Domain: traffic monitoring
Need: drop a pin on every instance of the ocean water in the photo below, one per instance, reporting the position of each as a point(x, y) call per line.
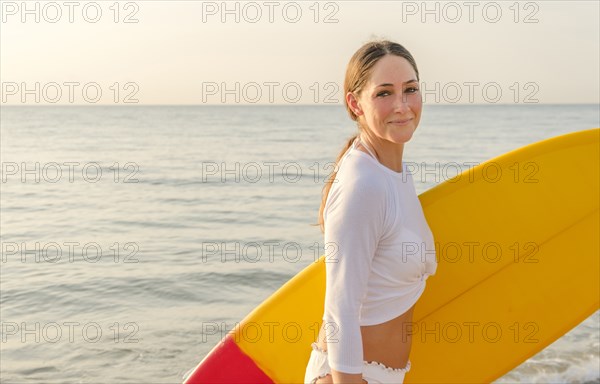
point(114, 221)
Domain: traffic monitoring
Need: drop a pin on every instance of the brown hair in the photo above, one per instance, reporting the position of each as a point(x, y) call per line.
point(357, 73)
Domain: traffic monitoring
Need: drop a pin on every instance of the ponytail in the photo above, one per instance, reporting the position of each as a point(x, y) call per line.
point(329, 182)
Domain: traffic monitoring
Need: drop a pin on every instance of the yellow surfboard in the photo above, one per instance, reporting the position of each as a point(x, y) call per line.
point(518, 248)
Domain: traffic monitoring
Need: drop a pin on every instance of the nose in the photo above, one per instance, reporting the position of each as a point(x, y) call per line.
point(401, 104)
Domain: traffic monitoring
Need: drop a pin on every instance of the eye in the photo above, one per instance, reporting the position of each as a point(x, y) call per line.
point(383, 93)
point(412, 89)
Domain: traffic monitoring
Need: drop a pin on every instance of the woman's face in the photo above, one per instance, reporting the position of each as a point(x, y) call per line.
point(390, 103)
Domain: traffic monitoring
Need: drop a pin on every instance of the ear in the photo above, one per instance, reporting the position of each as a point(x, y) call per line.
point(353, 104)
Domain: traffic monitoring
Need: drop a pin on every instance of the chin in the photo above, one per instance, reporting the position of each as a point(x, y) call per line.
point(401, 137)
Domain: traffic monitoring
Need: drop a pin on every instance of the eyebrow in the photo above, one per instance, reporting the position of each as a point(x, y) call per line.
point(390, 84)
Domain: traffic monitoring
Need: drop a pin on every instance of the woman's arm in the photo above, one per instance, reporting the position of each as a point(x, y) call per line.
point(354, 223)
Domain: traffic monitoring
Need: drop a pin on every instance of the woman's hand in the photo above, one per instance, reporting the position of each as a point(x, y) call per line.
point(347, 378)
point(342, 378)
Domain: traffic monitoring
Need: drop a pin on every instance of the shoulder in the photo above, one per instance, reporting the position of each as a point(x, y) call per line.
point(359, 174)
point(359, 183)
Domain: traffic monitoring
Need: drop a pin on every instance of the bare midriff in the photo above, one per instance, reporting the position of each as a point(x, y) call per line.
point(386, 343)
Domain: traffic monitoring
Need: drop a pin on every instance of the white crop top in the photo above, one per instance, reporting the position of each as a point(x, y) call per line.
point(379, 251)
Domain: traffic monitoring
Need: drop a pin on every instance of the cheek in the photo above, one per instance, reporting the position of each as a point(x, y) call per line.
point(384, 107)
point(375, 111)
point(416, 104)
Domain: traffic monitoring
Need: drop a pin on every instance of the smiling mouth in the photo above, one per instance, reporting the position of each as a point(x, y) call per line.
point(400, 122)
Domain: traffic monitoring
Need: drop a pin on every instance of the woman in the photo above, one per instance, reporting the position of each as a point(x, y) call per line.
point(379, 248)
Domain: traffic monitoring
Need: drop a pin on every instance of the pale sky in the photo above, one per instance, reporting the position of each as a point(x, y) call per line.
point(181, 52)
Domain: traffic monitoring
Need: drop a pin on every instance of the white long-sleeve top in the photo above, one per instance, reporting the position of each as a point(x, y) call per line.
point(379, 251)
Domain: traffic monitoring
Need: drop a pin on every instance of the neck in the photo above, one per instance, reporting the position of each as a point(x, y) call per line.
point(387, 153)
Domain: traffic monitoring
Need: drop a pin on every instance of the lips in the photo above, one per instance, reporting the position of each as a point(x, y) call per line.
point(400, 122)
